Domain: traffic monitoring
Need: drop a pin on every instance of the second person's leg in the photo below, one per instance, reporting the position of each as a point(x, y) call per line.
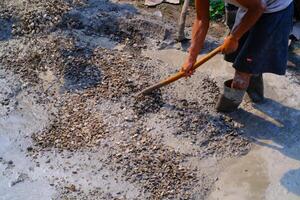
point(234, 91)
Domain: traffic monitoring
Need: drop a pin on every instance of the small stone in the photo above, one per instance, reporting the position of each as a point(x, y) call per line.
point(178, 46)
point(128, 119)
point(21, 178)
point(29, 148)
point(5, 102)
point(158, 14)
point(72, 188)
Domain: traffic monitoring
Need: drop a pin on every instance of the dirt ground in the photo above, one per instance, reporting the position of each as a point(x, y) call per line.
point(71, 126)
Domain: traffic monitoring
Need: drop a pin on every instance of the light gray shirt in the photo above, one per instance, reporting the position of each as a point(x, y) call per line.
point(271, 5)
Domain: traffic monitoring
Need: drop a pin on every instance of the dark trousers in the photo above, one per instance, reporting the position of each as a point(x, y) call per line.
point(297, 9)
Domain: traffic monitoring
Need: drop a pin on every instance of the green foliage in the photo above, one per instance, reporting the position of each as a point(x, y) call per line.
point(217, 9)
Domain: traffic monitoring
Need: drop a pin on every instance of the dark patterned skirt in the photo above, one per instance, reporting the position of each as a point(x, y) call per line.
point(264, 49)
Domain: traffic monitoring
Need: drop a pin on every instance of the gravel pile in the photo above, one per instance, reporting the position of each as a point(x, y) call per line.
point(150, 103)
point(89, 78)
point(71, 193)
point(210, 92)
point(123, 74)
point(216, 134)
point(156, 168)
point(33, 56)
point(34, 21)
point(37, 16)
point(75, 125)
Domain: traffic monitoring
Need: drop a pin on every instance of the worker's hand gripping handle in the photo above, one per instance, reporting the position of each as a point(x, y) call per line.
point(180, 74)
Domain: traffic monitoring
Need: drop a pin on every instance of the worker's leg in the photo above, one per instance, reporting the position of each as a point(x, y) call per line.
point(182, 20)
point(241, 80)
point(256, 88)
point(264, 49)
point(234, 91)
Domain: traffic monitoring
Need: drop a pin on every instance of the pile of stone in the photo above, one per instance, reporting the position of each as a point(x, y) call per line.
point(76, 125)
point(156, 168)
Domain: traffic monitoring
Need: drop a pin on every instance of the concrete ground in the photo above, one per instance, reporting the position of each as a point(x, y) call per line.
point(272, 169)
point(252, 153)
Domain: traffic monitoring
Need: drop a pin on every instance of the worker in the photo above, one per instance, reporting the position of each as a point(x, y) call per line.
point(257, 44)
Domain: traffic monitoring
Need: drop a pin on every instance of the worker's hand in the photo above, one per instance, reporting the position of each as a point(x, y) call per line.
point(230, 44)
point(187, 68)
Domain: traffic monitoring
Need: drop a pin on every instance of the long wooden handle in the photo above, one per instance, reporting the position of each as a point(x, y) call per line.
point(180, 74)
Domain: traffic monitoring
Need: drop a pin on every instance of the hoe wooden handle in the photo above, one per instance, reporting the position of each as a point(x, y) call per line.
point(180, 74)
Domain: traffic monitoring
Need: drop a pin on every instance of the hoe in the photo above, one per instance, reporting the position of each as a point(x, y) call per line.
point(180, 74)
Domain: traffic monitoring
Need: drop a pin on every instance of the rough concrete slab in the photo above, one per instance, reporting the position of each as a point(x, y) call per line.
point(271, 170)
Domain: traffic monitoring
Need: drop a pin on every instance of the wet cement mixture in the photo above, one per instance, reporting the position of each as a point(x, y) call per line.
point(71, 124)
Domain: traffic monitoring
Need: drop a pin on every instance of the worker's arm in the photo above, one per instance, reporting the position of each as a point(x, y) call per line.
point(255, 8)
point(199, 32)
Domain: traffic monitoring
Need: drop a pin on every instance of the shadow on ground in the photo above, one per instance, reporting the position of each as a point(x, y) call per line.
point(279, 124)
point(5, 29)
point(291, 181)
point(209, 45)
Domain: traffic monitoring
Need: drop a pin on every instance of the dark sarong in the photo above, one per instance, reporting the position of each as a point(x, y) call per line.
point(264, 49)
